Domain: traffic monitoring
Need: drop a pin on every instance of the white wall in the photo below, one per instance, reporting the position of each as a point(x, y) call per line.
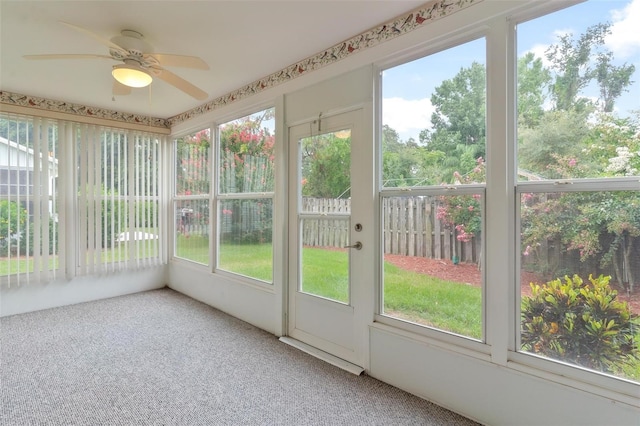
point(253, 303)
point(33, 296)
point(486, 392)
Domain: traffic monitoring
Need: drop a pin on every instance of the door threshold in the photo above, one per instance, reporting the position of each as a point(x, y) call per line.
point(324, 356)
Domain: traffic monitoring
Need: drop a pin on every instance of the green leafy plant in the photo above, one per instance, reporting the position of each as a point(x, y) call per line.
point(581, 323)
point(13, 223)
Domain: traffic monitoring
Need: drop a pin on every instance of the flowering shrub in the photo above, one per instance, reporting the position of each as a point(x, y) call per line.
point(246, 158)
point(579, 322)
point(246, 165)
point(192, 169)
point(463, 212)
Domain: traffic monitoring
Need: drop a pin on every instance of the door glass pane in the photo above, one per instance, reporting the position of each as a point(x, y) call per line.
point(325, 190)
point(326, 162)
point(325, 261)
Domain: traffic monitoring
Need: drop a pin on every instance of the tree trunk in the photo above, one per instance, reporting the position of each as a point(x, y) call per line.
point(627, 244)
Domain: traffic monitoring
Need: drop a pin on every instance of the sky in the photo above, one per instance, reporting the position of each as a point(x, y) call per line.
point(407, 88)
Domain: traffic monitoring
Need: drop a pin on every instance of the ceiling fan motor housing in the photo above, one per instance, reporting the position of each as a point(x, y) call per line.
point(133, 42)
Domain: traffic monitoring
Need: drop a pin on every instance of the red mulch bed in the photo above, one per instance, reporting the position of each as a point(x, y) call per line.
point(470, 274)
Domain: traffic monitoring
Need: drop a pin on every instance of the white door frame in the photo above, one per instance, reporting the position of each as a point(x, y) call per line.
point(338, 329)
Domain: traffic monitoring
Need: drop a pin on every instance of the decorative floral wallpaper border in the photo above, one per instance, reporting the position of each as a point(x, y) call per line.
point(428, 13)
point(407, 23)
point(76, 109)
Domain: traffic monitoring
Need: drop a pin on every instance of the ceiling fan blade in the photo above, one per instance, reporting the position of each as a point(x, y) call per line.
point(180, 61)
point(181, 84)
point(120, 89)
point(67, 56)
point(95, 36)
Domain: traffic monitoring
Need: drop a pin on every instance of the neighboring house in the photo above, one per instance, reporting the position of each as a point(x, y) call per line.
point(17, 174)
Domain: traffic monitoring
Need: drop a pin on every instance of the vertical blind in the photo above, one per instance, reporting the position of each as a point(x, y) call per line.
point(77, 199)
point(29, 208)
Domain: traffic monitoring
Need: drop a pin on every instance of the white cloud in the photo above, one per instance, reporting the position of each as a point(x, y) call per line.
point(407, 117)
point(557, 34)
point(538, 51)
point(624, 39)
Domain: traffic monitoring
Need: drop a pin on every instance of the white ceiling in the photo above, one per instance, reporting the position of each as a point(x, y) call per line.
point(242, 41)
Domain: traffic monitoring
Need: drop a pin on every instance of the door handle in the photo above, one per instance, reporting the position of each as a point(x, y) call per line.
point(357, 245)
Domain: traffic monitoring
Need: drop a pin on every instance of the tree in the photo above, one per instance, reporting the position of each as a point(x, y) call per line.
point(13, 224)
point(192, 168)
point(533, 81)
point(326, 163)
point(571, 61)
point(400, 160)
point(591, 230)
point(612, 80)
point(246, 157)
point(459, 125)
point(558, 136)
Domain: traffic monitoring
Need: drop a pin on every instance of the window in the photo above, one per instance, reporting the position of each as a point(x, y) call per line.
point(245, 195)
point(76, 199)
point(192, 191)
point(118, 199)
point(578, 162)
point(433, 175)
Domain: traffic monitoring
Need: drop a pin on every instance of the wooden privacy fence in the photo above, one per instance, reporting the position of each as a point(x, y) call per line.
point(325, 232)
point(409, 227)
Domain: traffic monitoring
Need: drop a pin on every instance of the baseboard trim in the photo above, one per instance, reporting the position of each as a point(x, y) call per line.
point(324, 356)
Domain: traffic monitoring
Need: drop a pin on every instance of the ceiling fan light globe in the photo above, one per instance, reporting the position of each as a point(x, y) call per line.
point(131, 76)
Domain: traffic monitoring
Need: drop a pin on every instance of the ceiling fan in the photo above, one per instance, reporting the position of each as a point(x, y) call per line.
point(139, 64)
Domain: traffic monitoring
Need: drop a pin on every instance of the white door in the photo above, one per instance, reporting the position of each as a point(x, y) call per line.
point(330, 235)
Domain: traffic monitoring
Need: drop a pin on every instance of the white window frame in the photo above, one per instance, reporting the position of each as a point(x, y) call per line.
point(476, 348)
point(501, 218)
point(175, 198)
point(616, 388)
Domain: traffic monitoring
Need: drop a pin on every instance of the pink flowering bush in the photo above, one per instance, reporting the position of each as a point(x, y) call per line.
point(462, 213)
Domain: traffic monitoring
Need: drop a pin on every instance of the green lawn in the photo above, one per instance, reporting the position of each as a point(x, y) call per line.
point(19, 265)
point(420, 298)
point(325, 273)
point(252, 260)
point(193, 247)
point(23, 265)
